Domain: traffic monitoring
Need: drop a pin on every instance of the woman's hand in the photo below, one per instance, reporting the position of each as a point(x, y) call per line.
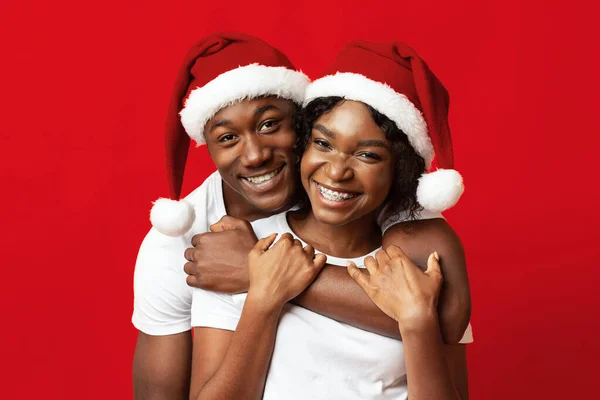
point(400, 288)
point(281, 272)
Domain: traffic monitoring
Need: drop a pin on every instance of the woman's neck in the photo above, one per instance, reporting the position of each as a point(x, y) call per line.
point(354, 239)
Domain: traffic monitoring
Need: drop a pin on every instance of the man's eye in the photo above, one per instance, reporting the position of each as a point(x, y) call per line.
point(227, 138)
point(268, 125)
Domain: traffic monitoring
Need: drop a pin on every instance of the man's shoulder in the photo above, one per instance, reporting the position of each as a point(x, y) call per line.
point(211, 186)
point(208, 205)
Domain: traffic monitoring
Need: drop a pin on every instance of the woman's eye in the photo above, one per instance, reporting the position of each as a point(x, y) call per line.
point(321, 143)
point(227, 138)
point(369, 156)
point(268, 125)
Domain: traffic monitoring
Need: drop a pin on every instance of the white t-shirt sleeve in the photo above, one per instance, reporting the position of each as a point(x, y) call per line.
point(162, 299)
point(215, 310)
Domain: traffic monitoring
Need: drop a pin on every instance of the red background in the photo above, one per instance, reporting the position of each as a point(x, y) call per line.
point(84, 95)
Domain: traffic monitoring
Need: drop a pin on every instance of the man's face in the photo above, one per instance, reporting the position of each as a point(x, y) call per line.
point(252, 145)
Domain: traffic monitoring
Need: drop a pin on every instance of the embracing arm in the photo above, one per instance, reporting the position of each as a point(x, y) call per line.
point(336, 295)
point(333, 294)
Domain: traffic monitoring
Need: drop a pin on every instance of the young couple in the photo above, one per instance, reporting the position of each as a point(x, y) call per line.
point(329, 165)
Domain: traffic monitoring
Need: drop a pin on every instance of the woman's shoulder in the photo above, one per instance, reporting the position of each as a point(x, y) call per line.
point(420, 238)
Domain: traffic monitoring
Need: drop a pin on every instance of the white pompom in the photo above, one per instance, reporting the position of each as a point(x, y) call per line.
point(440, 190)
point(172, 217)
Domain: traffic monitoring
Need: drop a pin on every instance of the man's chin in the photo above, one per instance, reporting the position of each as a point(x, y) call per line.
point(273, 205)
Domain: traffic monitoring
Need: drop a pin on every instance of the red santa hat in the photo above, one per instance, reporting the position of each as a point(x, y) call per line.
point(218, 71)
point(394, 80)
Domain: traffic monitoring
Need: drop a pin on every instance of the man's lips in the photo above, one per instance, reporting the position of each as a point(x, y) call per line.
point(265, 176)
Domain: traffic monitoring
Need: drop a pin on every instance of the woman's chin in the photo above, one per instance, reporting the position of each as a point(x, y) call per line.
point(329, 217)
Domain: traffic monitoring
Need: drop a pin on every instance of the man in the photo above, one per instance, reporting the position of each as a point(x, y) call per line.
point(240, 96)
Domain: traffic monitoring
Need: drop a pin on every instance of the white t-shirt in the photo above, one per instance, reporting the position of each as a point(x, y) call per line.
point(162, 299)
point(315, 357)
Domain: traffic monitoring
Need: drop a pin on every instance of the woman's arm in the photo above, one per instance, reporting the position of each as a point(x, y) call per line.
point(434, 370)
point(418, 239)
point(234, 365)
point(333, 294)
point(410, 296)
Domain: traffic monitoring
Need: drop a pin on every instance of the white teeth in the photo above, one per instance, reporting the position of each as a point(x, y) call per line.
point(262, 178)
point(333, 195)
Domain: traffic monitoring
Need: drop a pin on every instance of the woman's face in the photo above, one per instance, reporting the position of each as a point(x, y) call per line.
point(252, 146)
point(347, 168)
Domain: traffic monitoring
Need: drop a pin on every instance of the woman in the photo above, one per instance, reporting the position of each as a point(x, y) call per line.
point(358, 169)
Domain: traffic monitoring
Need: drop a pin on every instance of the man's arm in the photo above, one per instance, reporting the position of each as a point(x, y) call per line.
point(218, 262)
point(162, 367)
point(336, 295)
point(161, 313)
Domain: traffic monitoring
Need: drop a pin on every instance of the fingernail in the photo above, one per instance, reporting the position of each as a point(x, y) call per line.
point(436, 255)
point(348, 263)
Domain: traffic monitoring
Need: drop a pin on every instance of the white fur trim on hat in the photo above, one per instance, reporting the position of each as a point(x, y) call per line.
point(241, 83)
point(172, 217)
point(381, 97)
point(440, 190)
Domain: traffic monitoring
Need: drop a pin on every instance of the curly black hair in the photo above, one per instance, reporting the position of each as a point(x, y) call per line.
point(402, 197)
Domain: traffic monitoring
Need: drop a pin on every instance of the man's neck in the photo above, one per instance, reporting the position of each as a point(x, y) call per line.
point(238, 207)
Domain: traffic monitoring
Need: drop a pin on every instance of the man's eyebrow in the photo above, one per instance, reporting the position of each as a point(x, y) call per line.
point(324, 130)
point(372, 143)
point(264, 108)
point(223, 122)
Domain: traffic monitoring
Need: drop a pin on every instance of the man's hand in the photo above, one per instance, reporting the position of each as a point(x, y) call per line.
point(219, 259)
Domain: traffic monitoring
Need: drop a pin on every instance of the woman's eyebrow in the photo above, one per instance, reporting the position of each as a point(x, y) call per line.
point(373, 143)
point(324, 130)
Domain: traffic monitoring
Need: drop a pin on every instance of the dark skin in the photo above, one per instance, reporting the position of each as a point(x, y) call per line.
point(333, 294)
point(246, 140)
point(410, 296)
point(349, 153)
point(229, 364)
point(162, 366)
point(249, 139)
